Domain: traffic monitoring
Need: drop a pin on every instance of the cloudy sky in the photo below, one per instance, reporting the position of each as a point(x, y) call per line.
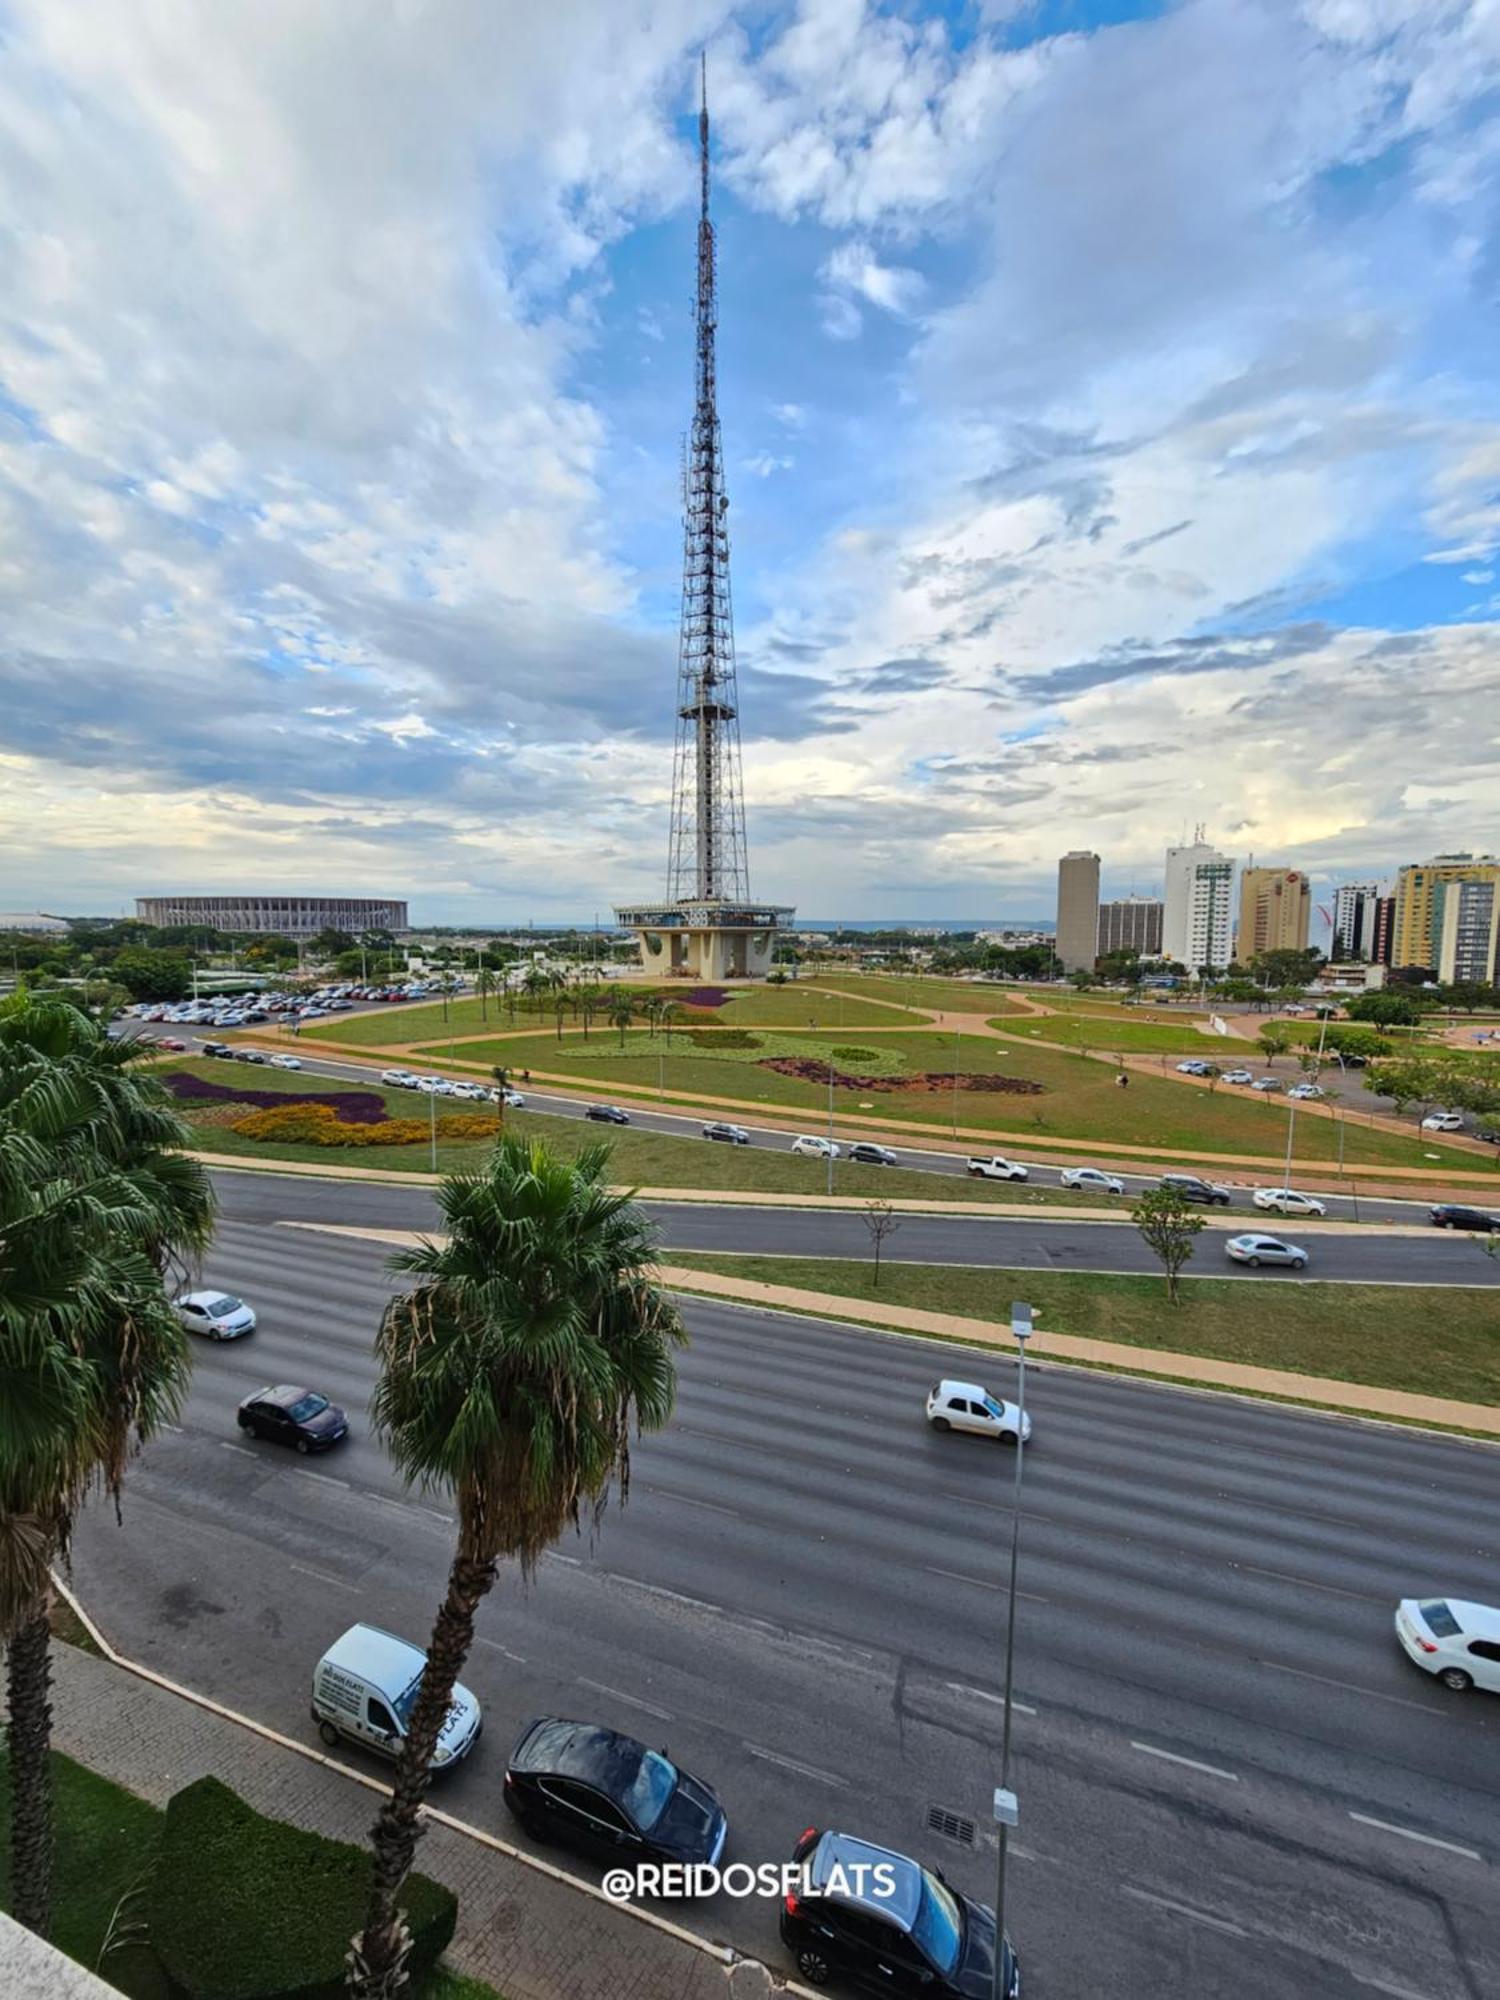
point(1110, 409)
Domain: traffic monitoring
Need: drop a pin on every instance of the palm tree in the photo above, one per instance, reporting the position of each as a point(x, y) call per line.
point(97, 1203)
point(536, 982)
point(484, 986)
point(621, 1012)
point(511, 1376)
point(671, 1015)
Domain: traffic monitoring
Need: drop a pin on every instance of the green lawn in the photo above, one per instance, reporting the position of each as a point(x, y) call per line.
point(1431, 1340)
point(1129, 1035)
point(106, 1843)
point(956, 996)
point(1080, 1099)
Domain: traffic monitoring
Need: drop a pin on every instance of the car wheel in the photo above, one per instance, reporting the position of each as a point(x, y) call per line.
point(247, 1425)
point(1253, 1262)
point(941, 1424)
point(303, 1446)
point(329, 1735)
point(1299, 1263)
point(1457, 1679)
point(813, 1966)
point(1011, 1438)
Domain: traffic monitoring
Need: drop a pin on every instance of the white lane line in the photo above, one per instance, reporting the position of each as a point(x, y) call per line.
point(243, 1449)
point(1187, 1910)
point(496, 1647)
point(632, 1700)
point(323, 1478)
point(983, 1694)
point(1192, 1763)
point(1410, 1833)
point(1353, 1687)
point(982, 1583)
point(1306, 1583)
point(802, 1770)
point(573, 1562)
point(1385, 1986)
point(689, 1500)
point(323, 1577)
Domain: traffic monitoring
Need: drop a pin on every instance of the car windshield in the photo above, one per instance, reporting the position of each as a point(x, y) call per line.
point(995, 1409)
point(1440, 1620)
point(645, 1797)
point(307, 1406)
point(939, 1925)
point(218, 1307)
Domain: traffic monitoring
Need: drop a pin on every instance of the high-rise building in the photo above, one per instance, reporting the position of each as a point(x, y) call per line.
point(1466, 917)
point(1275, 912)
point(1418, 937)
point(1198, 912)
point(1133, 924)
point(1355, 910)
point(1384, 930)
point(1078, 911)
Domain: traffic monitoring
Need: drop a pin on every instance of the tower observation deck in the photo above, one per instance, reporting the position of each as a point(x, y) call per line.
point(709, 927)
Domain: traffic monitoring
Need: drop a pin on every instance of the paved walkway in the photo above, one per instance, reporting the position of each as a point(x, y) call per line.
point(528, 1928)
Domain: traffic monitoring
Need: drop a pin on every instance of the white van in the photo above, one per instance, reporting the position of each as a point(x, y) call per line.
point(365, 1688)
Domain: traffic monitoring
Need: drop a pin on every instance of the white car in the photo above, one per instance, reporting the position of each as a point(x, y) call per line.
point(1197, 1067)
point(219, 1315)
point(398, 1079)
point(818, 1149)
point(512, 1099)
point(1457, 1641)
point(1257, 1250)
point(286, 1062)
point(1442, 1121)
point(995, 1167)
point(474, 1091)
point(1287, 1201)
point(1305, 1091)
point(1266, 1083)
point(1237, 1076)
point(964, 1406)
point(1092, 1177)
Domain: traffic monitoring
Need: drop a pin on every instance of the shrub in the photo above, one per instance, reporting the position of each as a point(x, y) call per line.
point(724, 1038)
point(318, 1125)
point(856, 1055)
point(241, 1907)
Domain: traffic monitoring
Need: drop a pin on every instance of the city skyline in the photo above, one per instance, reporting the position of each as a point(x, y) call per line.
point(1082, 449)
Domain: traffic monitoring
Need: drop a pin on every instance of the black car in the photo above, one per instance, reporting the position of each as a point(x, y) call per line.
point(870, 1155)
point(731, 1135)
point(607, 1114)
point(884, 1924)
point(217, 1049)
point(249, 1056)
point(595, 1789)
point(1451, 1215)
point(298, 1417)
point(1191, 1188)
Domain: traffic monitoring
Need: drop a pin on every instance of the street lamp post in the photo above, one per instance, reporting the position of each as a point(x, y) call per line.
point(1006, 1810)
point(830, 1121)
point(432, 1124)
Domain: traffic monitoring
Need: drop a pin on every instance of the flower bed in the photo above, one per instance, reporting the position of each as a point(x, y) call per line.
point(303, 1124)
point(350, 1107)
point(809, 1070)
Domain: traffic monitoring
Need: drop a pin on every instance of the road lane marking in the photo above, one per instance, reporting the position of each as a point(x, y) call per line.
point(690, 1500)
point(243, 1449)
point(1192, 1763)
point(983, 1694)
point(323, 1577)
point(1187, 1910)
point(1385, 1986)
point(573, 1562)
point(619, 1694)
point(1306, 1583)
point(324, 1478)
point(1410, 1833)
point(982, 1583)
point(496, 1647)
point(1353, 1687)
point(802, 1770)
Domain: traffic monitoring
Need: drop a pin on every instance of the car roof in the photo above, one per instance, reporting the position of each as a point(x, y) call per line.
point(391, 1664)
point(586, 1750)
point(1479, 1621)
point(284, 1395)
point(208, 1297)
point(857, 1858)
point(970, 1389)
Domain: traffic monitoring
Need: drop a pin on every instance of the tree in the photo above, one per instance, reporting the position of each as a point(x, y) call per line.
point(1169, 1229)
point(98, 1201)
point(1413, 1080)
point(1469, 995)
point(502, 1083)
point(1286, 967)
point(671, 1017)
point(512, 1374)
point(484, 986)
point(1081, 981)
point(1275, 1041)
point(153, 975)
point(1358, 1041)
point(621, 1012)
point(330, 941)
point(882, 1221)
point(1385, 1009)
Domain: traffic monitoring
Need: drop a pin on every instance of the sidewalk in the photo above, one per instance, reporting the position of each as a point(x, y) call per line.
point(524, 1926)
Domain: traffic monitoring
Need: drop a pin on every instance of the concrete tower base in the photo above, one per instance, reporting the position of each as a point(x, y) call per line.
point(707, 941)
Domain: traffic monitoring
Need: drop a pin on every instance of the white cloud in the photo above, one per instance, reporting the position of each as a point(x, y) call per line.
point(854, 267)
point(764, 463)
point(839, 317)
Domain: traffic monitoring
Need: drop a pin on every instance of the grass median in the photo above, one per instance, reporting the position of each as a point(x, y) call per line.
point(1431, 1341)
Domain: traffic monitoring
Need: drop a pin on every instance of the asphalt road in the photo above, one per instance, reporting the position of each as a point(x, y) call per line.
point(1022, 1242)
point(1231, 1780)
point(777, 1138)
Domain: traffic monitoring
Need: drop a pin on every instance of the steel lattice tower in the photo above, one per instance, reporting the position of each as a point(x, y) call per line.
point(706, 856)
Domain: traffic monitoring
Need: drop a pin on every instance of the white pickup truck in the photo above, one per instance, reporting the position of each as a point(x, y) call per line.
point(995, 1167)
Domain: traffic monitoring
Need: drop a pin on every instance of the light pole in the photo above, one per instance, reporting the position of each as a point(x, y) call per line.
point(830, 1121)
point(432, 1124)
point(956, 1033)
point(1007, 1813)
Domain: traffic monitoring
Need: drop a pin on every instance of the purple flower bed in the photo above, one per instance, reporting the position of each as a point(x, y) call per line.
point(703, 996)
point(350, 1107)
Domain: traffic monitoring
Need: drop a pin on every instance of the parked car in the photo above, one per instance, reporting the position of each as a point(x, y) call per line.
point(1266, 1083)
point(171, 1044)
point(1442, 1121)
point(964, 1406)
point(1192, 1188)
point(1287, 1201)
point(595, 1789)
point(251, 1056)
point(1196, 1068)
point(1456, 1641)
point(298, 1417)
point(220, 1315)
point(817, 1149)
point(731, 1135)
point(1093, 1178)
point(1256, 1250)
point(995, 1167)
point(886, 1924)
point(1238, 1076)
point(218, 1049)
point(607, 1114)
point(286, 1062)
point(511, 1099)
point(868, 1154)
point(365, 1688)
point(1452, 1215)
point(1305, 1091)
point(473, 1092)
point(398, 1079)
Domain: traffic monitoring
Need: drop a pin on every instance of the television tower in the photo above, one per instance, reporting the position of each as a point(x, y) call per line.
point(709, 928)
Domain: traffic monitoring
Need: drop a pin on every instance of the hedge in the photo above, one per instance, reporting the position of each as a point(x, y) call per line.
point(246, 1908)
point(305, 1124)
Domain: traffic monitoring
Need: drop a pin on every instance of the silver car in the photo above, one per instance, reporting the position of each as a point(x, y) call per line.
point(1256, 1250)
point(219, 1315)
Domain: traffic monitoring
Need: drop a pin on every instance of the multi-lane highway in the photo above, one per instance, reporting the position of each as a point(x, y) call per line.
point(1231, 1780)
point(1025, 1241)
